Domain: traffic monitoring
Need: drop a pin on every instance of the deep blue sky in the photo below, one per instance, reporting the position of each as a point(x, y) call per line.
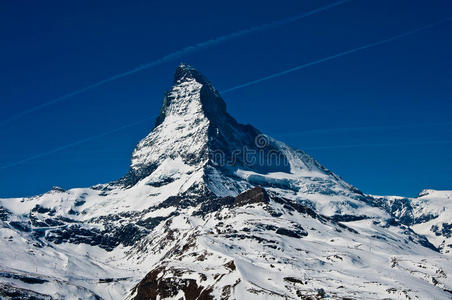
point(380, 118)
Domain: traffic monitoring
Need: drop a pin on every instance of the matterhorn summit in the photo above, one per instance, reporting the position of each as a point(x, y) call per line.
point(214, 209)
point(199, 148)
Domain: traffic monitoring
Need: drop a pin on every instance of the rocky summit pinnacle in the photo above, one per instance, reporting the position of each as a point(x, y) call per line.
point(185, 71)
point(191, 85)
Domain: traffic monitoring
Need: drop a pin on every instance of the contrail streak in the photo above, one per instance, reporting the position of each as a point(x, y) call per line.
point(85, 140)
point(254, 82)
point(340, 54)
point(179, 54)
point(378, 145)
point(341, 130)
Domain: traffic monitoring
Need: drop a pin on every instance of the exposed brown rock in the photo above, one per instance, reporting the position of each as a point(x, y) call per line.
point(154, 285)
point(230, 265)
point(254, 195)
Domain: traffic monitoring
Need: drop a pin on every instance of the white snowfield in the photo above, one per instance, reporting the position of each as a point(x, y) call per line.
point(172, 229)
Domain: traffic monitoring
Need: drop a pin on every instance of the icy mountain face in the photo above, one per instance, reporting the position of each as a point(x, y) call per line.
point(213, 209)
point(430, 214)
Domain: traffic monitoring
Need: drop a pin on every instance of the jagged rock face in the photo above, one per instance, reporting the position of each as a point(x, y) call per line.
point(255, 195)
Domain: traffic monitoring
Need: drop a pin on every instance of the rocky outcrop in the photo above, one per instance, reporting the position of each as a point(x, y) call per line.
point(254, 195)
point(158, 286)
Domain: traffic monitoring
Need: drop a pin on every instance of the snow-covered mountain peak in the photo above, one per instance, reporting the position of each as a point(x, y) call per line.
point(197, 148)
point(195, 130)
point(182, 129)
point(213, 209)
point(192, 86)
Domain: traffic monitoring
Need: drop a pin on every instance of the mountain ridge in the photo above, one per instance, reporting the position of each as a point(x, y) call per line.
point(213, 209)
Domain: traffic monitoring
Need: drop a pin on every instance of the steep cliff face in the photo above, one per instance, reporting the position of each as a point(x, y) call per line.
point(213, 209)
